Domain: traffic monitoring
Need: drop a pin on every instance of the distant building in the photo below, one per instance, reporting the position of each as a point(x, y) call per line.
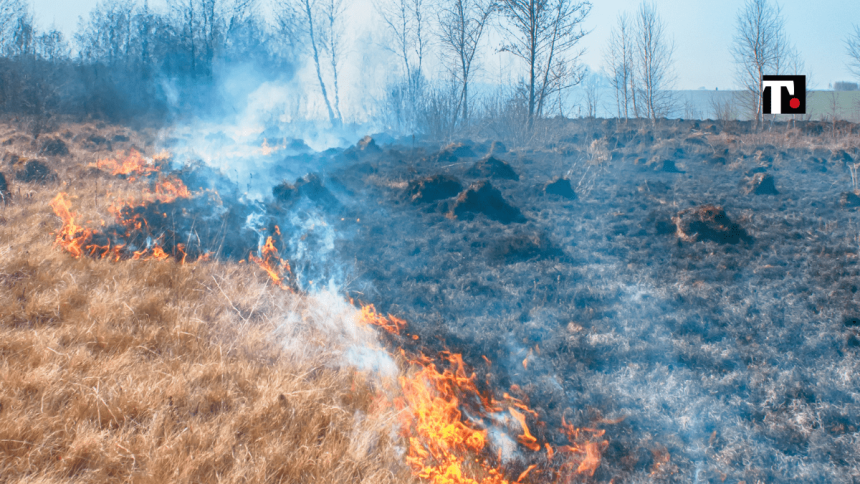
point(846, 86)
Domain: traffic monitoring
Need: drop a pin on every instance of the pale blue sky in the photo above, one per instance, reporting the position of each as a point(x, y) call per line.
point(702, 31)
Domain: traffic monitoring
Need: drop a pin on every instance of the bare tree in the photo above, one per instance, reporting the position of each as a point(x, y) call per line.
point(591, 93)
point(301, 19)
point(723, 106)
point(107, 35)
point(794, 65)
point(332, 40)
point(406, 21)
point(461, 25)
point(852, 45)
point(619, 64)
point(758, 50)
point(543, 33)
point(10, 12)
point(653, 60)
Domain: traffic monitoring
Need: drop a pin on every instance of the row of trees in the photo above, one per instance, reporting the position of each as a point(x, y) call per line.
point(126, 59)
point(639, 62)
point(544, 35)
point(124, 47)
point(126, 56)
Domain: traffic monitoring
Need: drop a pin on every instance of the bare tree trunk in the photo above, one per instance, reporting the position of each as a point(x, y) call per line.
point(333, 12)
point(309, 16)
point(619, 62)
point(462, 25)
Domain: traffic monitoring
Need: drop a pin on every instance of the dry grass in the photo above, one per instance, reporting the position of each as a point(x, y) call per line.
point(155, 372)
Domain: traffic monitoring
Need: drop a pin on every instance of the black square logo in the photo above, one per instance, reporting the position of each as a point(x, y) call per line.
point(783, 95)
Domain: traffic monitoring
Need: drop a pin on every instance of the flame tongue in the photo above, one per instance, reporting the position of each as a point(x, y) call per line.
point(277, 268)
point(134, 164)
point(72, 237)
point(438, 436)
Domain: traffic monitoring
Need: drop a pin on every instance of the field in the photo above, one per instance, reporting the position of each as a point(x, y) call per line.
point(600, 302)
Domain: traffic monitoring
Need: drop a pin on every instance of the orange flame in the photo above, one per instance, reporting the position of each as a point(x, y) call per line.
point(78, 240)
point(440, 442)
point(526, 439)
point(270, 262)
point(133, 164)
point(391, 324)
point(72, 237)
point(446, 447)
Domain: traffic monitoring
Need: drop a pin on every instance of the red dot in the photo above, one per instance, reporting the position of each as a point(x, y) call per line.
point(794, 103)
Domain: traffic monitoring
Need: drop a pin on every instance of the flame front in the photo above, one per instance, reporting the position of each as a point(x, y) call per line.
point(440, 442)
point(131, 214)
point(444, 417)
point(134, 164)
point(448, 447)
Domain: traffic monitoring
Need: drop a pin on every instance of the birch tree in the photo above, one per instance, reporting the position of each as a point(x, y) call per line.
point(618, 58)
point(653, 61)
point(461, 25)
point(406, 22)
point(758, 50)
point(303, 20)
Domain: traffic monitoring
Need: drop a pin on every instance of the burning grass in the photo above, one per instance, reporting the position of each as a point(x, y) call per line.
point(156, 371)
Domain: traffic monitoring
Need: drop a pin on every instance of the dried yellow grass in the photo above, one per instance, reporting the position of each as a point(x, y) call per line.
point(151, 371)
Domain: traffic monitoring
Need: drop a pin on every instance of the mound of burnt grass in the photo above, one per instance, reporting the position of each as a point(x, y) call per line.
point(522, 246)
point(709, 222)
point(482, 198)
point(761, 184)
point(492, 167)
point(35, 171)
point(433, 188)
point(453, 152)
point(365, 146)
point(849, 199)
point(4, 185)
point(729, 358)
point(309, 187)
point(560, 187)
point(54, 147)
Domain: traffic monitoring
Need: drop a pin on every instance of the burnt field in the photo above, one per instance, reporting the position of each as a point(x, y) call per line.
point(690, 289)
point(685, 294)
